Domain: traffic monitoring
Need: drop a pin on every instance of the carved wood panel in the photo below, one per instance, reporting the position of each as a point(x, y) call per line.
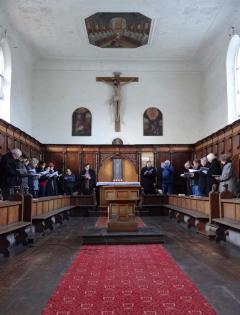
point(72, 161)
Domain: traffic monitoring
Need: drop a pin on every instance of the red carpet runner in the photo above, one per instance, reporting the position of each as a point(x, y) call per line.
point(102, 222)
point(126, 279)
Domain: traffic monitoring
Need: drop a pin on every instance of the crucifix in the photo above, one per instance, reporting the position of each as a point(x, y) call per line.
point(117, 82)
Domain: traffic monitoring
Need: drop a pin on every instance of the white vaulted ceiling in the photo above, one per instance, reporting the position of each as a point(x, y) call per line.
point(56, 29)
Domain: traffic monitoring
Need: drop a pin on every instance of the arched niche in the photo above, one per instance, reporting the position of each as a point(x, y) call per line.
point(82, 122)
point(105, 173)
point(152, 122)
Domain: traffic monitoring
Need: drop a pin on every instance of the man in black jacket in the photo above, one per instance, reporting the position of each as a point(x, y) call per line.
point(148, 177)
point(215, 169)
point(87, 180)
point(9, 175)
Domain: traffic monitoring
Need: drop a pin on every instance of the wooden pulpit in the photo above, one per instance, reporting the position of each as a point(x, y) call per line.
point(121, 209)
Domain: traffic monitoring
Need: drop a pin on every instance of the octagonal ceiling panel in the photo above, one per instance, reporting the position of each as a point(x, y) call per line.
point(118, 30)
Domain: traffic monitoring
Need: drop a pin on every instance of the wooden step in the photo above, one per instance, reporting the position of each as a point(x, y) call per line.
point(207, 234)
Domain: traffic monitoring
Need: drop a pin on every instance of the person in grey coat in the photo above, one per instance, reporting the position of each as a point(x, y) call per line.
point(227, 176)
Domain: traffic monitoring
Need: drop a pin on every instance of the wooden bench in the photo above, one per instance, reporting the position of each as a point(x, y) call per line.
point(46, 211)
point(198, 210)
point(12, 222)
point(152, 204)
point(229, 218)
point(84, 204)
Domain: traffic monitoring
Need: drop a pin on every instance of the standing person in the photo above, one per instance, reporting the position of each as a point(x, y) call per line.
point(148, 176)
point(215, 169)
point(202, 182)
point(68, 182)
point(42, 171)
point(195, 179)
point(188, 176)
point(9, 175)
point(227, 176)
point(51, 189)
point(87, 180)
point(22, 167)
point(167, 177)
point(33, 179)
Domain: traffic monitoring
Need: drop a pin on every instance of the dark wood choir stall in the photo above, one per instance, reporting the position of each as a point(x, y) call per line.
point(12, 223)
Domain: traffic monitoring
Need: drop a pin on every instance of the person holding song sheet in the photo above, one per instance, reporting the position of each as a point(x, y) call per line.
point(43, 180)
point(167, 177)
point(187, 175)
point(202, 182)
point(68, 182)
point(214, 171)
point(148, 176)
point(33, 179)
point(227, 176)
point(88, 180)
point(52, 188)
point(195, 179)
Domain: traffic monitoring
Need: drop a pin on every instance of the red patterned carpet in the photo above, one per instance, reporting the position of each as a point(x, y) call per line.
point(126, 279)
point(102, 222)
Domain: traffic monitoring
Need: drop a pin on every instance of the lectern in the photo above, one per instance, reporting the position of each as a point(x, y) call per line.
point(121, 209)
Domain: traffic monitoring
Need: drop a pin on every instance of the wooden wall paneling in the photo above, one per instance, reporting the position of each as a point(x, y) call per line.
point(161, 157)
point(237, 207)
point(90, 157)
point(228, 145)
point(209, 146)
point(10, 143)
point(228, 139)
point(235, 143)
point(57, 158)
point(215, 148)
point(229, 210)
point(13, 213)
point(221, 147)
point(72, 161)
point(12, 137)
point(3, 215)
point(2, 144)
point(236, 165)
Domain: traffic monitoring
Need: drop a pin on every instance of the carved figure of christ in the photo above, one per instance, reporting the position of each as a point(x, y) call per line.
point(117, 82)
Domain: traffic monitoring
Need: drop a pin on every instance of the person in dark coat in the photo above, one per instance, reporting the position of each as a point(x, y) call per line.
point(9, 175)
point(188, 177)
point(42, 171)
point(68, 182)
point(195, 179)
point(148, 176)
point(202, 181)
point(87, 180)
point(227, 177)
point(33, 179)
point(167, 177)
point(22, 167)
point(52, 177)
point(215, 169)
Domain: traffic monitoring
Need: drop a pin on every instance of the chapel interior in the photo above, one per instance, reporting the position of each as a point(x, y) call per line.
point(119, 157)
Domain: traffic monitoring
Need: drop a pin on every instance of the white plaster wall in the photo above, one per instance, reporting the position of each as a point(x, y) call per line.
point(22, 58)
point(214, 94)
point(21, 105)
point(58, 89)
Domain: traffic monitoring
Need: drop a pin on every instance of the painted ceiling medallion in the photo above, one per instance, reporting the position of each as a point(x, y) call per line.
point(118, 30)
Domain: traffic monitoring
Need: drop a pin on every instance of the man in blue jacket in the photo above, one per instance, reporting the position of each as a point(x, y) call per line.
point(167, 177)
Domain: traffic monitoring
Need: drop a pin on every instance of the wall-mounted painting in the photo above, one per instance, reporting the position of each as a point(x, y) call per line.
point(152, 122)
point(118, 30)
point(81, 122)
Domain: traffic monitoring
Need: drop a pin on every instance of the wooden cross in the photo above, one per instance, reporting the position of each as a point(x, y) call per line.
point(116, 82)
